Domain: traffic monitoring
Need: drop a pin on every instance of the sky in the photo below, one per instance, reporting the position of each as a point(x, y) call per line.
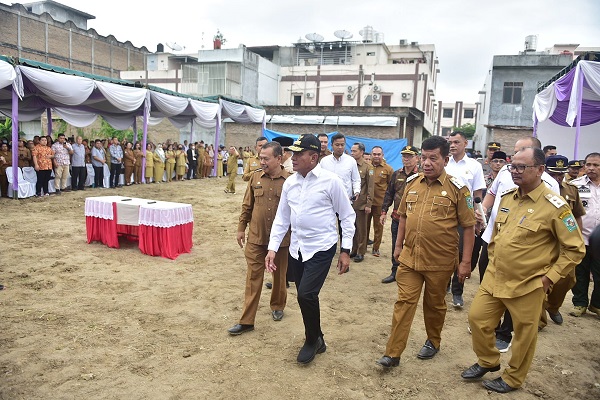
point(466, 33)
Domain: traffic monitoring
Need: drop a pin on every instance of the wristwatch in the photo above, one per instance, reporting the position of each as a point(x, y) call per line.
point(343, 250)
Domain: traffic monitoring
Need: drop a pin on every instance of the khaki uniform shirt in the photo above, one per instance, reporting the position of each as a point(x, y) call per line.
point(395, 190)
point(571, 195)
point(324, 154)
point(382, 175)
point(534, 235)
point(433, 213)
point(232, 164)
point(260, 206)
point(253, 165)
point(25, 159)
point(365, 198)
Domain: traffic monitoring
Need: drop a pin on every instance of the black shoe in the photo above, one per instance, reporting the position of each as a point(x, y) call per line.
point(557, 318)
point(476, 371)
point(277, 315)
point(427, 351)
point(287, 285)
point(309, 351)
point(389, 279)
point(370, 242)
point(239, 329)
point(359, 258)
point(352, 255)
point(498, 385)
point(57, 192)
point(269, 285)
point(388, 362)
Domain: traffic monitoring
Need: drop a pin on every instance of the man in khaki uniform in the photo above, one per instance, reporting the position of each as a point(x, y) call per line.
point(556, 167)
point(362, 203)
point(254, 161)
point(434, 204)
point(382, 176)
point(232, 169)
point(200, 156)
point(324, 139)
point(258, 210)
point(535, 242)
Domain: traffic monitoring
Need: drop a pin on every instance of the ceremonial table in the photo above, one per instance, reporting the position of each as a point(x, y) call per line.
point(163, 228)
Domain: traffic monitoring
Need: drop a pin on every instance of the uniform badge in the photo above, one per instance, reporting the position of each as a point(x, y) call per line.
point(569, 222)
point(469, 201)
point(444, 193)
point(371, 172)
point(530, 210)
point(555, 200)
point(504, 209)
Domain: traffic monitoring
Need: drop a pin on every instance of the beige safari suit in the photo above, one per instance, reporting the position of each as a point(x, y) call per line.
point(252, 165)
point(430, 253)
point(382, 176)
point(535, 235)
point(365, 199)
point(258, 211)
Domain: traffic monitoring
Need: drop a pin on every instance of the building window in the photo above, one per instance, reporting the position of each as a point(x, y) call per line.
point(337, 100)
point(386, 100)
point(297, 100)
point(469, 113)
point(513, 91)
point(370, 53)
point(446, 131)
point(447, 112)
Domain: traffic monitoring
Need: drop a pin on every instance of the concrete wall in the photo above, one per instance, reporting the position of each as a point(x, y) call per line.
point(532, 70)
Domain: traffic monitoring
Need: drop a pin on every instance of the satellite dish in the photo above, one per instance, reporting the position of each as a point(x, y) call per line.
point(342, 34)
point(174, 46)
point(314, 37)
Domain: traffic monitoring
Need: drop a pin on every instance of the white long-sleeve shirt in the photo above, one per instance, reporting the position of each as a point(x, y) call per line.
point(503, 183)
point(309, 205)
point(345, 167)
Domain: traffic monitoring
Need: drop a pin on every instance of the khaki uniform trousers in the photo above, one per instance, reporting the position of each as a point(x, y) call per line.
point(556, 297)
point(410, 283)
point(61, 174)
point(255, 258)
point(231, 185)
point(484, 315)
point(359, 242)
point(377, 227)
point(200, 167)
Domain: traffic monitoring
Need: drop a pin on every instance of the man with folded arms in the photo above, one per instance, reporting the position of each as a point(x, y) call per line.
point(309, 202)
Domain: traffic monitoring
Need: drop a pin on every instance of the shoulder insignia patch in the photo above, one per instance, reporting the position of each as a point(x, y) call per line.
point(569, 221)
point(410, 178)
point(371, 171)
point(457, 182)
point(508, 191)
point(555, 200)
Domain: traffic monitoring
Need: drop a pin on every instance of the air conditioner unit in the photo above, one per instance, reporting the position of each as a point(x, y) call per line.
point(349, 96)
point(377, 88)
point(351, 88)
point(376, 97)
point(405, 96)
point(310, 95)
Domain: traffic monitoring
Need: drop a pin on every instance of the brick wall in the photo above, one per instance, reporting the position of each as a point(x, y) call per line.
point(68, 46)
point(508, 137)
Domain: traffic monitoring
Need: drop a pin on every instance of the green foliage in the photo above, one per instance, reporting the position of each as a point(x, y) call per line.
point(468, 129)
point(6, 129)
point(107, 131)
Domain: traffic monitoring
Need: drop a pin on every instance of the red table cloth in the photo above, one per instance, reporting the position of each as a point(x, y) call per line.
point(163, 228)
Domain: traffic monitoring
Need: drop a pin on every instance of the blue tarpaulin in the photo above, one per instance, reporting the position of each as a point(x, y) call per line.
point(391, 147)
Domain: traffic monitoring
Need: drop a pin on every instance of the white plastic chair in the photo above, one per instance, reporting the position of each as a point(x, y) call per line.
point(24, 188)
point(30, 176)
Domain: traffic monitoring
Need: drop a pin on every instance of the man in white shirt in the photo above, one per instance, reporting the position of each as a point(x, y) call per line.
point(310, 200)
point(343, 165)
point(470, 172)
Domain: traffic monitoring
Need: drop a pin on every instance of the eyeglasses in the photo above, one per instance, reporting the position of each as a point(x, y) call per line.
point(519, 168)
point(498, 161)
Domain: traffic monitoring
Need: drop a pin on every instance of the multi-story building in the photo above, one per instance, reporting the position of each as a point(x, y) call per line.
point(506, 99)
point(455, 114)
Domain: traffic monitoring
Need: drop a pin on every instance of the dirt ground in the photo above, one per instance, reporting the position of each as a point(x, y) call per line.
point(83, 321)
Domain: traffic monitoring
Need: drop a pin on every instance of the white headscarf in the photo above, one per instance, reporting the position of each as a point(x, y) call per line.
point(160, 152)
